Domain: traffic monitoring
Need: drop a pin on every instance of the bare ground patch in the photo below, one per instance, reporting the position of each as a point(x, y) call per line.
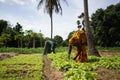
point(7, 55)
point(109, 53)
point(107, 74)
point(49, 72)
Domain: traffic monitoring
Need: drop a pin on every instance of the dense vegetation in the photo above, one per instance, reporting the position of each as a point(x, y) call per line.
point(82, 71)
point(22, 67)
point(29, 66)
point(106, 26)
point(58, 49)
point(14, 36)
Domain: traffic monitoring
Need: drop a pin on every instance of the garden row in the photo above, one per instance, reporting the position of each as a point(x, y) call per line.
point(22, 67)
point(82, 71)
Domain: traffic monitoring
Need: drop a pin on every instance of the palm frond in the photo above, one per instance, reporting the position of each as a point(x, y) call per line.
point(40, 3)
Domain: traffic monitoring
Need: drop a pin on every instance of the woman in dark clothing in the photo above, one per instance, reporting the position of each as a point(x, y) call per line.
point(49, 47)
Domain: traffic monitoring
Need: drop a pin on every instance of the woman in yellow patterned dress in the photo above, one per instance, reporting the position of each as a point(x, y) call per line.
point(78, 40)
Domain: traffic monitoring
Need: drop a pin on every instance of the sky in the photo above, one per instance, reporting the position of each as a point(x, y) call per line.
point(26, 13)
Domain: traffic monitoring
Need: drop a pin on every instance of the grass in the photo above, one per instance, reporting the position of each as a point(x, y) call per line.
point(22, 50)
point(58, 49)
point(108, 48)
point(31, 50)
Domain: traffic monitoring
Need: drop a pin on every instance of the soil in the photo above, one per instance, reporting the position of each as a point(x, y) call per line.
point(50, 73)
point(7, 55)
point(109, 53)
point(107, 74)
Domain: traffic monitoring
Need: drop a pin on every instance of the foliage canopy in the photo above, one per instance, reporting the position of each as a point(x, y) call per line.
point(106, 26)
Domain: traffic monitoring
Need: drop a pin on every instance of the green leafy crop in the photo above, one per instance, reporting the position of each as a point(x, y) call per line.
point(22, 67)
point(82, 71)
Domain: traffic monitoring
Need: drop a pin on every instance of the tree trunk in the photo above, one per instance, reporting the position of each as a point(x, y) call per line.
point(33, 42)
point(18, 43)
point(40, 42)
point(91, 47)
point(51, 26)
point(21, 43)
point(51, 17)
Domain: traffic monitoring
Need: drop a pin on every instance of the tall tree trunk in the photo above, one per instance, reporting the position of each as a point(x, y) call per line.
point(51, 17)
point(91, 47)
point(21, 43)
point(28, 43)
point(51, 26)
point(40, 42)
point(18, 43)
point(33, 42)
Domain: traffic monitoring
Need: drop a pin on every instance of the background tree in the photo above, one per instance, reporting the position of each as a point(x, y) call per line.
point(9, 30)
point(19, 38)
point(47, 38)
point(91, 47)
point(40, 36)
point(33, 36)
point(5, 38)
point(78, 23)
point(18, 31)
point(58, 39)
point(28, 35)
point(1, 42)
point(50, 6)
point(96, 23)
point(106, 27)
point(82, 18)
point(64, 43)
point(70, 35)
point(3, 26)
point(18, 28)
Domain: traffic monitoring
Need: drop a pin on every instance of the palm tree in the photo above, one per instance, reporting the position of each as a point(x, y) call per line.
point(92, 50)
point(40, 35)
point(33, 36)
point(51, 5)
point(5, 38)
point(19, 38)
point(82, 17)
point(28, 34)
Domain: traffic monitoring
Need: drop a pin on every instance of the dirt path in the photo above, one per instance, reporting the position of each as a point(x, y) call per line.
point(49, 72)
point(109, 53)
point(108, 74)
